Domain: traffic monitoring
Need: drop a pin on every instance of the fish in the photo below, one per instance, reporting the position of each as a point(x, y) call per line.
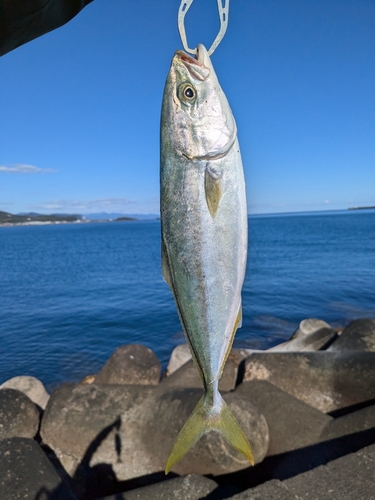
point(204, 234)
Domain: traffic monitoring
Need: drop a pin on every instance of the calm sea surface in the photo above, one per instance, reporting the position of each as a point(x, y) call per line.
point(70, 294)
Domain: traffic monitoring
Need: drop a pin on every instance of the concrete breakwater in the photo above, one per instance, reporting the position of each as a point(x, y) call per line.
point(307, 407)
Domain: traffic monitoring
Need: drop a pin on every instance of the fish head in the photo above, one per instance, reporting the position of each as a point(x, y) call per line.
point(196, 113)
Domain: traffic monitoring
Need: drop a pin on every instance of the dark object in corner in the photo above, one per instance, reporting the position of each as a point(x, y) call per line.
point(23, 20)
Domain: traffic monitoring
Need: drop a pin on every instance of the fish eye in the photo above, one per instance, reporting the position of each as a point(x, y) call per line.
point(187, 93)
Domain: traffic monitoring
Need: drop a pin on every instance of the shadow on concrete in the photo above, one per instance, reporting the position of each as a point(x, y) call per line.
point(91, 482)
point(290, 464)
point(86, 477)
point(351, 409)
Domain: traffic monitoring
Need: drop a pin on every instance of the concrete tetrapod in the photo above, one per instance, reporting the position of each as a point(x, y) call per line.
point(132, 429)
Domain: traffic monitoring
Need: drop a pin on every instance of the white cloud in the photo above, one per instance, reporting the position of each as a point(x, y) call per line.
point(24, 169)
point(88, 205)
point(108, 205)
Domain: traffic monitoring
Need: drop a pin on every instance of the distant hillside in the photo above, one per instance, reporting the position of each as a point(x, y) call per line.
point(30, 217)
point(115, 215)
point(362, 208)
point(6, 217)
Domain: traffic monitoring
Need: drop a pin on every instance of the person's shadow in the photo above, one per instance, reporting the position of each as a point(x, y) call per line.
point(88, 481)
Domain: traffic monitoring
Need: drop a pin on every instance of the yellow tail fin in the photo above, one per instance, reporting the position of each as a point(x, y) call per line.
point(204, 418)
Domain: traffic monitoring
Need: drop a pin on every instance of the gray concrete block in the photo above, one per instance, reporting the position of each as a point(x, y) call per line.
point(271, 490)
point(292, 423)
point(188, 376)
point(25, 472)
point(190, 487)
point(31, 386)
point(19, 417)
point(132, 429)
point(359, 335)
point(131, 364)
point(182, 372)
point(311, 335)
point(325, 380)
point(351, 477)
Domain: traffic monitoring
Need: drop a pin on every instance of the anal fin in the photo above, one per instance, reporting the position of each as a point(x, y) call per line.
point(165, 265)
point(237, 324)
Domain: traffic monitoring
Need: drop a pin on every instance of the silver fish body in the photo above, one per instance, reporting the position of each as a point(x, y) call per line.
point(204, 232)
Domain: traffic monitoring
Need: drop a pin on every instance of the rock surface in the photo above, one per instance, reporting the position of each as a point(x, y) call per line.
point(358, 429)
point(131, 429)
point(131, 364)
point(25, 472)
point(347, 478)
point(180, 355)
point(31, 386)
point(185, 376)
point(190, 487)
point(325, 380)
point(188, 376)
point(19, 417)
point(359, 335)
point(271, 490)
point(309, 326)
point(311, 335)
point(292, 423)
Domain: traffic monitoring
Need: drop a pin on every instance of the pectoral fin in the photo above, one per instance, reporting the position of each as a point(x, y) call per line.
point(212, 187)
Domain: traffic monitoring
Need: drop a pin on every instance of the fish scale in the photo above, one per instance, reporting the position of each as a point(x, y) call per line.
point(204, 233)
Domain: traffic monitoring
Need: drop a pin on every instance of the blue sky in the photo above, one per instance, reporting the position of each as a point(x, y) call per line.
point(80, 106)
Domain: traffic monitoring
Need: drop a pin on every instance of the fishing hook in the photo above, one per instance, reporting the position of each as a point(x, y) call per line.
point(223, 15)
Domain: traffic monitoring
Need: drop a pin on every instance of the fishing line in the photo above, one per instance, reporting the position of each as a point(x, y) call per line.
point(223, 15)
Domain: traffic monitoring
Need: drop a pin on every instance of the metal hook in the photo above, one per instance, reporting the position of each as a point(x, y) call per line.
point(223, 15)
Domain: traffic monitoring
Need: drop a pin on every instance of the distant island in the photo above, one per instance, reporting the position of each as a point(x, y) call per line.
point(361, 208)
point(9, 219)
point(34, 219)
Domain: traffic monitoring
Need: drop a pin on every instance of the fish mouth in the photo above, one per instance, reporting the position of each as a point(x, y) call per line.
point(195, 66)
point(184, 57)
point(199, 56)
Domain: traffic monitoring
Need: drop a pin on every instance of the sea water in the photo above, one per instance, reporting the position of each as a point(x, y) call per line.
point(70, 294)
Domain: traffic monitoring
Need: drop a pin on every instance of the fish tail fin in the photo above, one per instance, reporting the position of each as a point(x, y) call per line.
point(206, 417)
point(231, 430)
